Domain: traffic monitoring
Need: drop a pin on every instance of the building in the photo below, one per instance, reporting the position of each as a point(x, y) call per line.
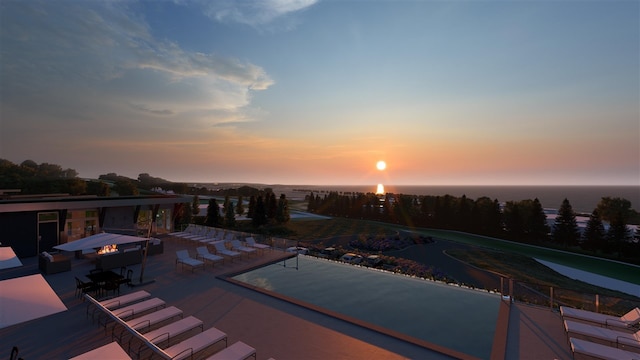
point(32, 224)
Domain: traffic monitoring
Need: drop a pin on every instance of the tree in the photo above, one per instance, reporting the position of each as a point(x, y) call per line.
point(282, 213)
point(538, 228)
point(213, 213)
point(610, 208)
point(240, 206)
point(195, 205)
point(594, 235)
point(565, 227)
point(125, 187)
point(230, 215)
point(618, 233)
point(260, 213)
point(252, 206)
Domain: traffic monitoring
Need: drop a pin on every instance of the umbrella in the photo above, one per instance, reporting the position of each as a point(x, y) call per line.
point(98, 241)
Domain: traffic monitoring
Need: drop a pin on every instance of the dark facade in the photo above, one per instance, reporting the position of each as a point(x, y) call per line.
point(33, 225)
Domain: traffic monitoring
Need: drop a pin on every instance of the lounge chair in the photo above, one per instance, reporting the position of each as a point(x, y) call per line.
point(144, 323)
point(619, 339)
point(192, 345)
point(236, 245)
point(625, 321)
point(133, 310)
point(237, 351)
point(203, 252)
point(599, 351)
point(252, 242)
point(222, 250)
point(184, 259)
point(173, 329)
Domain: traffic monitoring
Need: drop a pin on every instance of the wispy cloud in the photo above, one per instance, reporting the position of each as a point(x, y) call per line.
point(94, 60)
point(254, 13)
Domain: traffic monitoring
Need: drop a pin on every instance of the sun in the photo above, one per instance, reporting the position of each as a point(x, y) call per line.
point(381, 165)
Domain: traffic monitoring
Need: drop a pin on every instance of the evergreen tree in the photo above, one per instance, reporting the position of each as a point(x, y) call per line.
point(260, 213)
point(227, 203)
point(213, 213)
point(240, 206)
point(312, 202)
point(282, 213)
point(195, 205)
point(539, 229)
point(271, 205)
point(594, 235)
point(252, 206)
point(618, 233)
point(230, 216)
point(565, 227)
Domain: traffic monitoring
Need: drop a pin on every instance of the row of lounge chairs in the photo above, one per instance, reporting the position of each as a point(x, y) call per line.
point(157, 330)
point(602, 336)
point(222, 252)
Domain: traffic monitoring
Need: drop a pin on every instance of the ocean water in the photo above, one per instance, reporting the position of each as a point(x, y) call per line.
point(582, 198)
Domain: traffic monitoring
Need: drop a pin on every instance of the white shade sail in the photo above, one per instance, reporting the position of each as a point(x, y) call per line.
point(98, 241)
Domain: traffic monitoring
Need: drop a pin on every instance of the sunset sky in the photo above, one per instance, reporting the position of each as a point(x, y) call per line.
point(316, 92)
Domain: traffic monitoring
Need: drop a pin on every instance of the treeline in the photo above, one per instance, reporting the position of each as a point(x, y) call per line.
point(32, 178)
point(521, 221)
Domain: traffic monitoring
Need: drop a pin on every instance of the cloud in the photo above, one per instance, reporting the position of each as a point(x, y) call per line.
point(252, 12)
point(99, 62)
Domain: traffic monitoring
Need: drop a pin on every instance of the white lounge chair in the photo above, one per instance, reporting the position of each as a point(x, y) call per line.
point(222, 250)
point(203, 252)
point(599, 351)
point(252, 242)
point(627, 320)
point(236, 245)
point(167, 332)
point(237, 351)
point(619, 339)
point(144, 323)
point(192, 345)
point(184, 258)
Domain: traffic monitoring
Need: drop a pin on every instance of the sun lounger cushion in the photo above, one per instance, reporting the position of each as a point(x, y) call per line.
point(166, 332)
point(237, 351)
point(599, 351)
point(195, 343)
point(154, 318)
point(629, 319)
point(617, 338)
point(137, 308)
point(124, 299)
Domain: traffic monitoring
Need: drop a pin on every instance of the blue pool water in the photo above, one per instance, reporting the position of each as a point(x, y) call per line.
point(450, 316)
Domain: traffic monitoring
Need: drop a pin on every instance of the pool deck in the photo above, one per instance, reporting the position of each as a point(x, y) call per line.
point(275, 328)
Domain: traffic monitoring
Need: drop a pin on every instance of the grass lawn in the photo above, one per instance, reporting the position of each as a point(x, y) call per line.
point(316, 230)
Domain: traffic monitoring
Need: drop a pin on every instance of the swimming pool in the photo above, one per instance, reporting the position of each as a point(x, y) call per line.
point(456, 318)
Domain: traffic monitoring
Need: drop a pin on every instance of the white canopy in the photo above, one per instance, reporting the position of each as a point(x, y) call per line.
point(98, 241)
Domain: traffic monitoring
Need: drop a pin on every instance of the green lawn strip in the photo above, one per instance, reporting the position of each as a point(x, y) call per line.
point(609, 268)
point(313, 230)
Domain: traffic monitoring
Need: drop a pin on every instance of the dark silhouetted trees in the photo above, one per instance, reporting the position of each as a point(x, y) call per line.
point(565, 227)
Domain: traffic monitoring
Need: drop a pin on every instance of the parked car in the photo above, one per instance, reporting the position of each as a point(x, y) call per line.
point(298, 249)
point(351, 258)
point(373, 260)
point(327, 253)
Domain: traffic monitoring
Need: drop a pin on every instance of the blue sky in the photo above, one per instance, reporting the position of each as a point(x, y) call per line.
point(316, 92)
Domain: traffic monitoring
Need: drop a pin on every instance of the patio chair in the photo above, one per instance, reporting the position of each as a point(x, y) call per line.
point(236, 245)
point(625, 321)
point(199, 342)
point(252, 243)
point(85, 287)
point(599, 351)
point(203, 252)
point(184, 258)
point(619, 339)
point(222, 250)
